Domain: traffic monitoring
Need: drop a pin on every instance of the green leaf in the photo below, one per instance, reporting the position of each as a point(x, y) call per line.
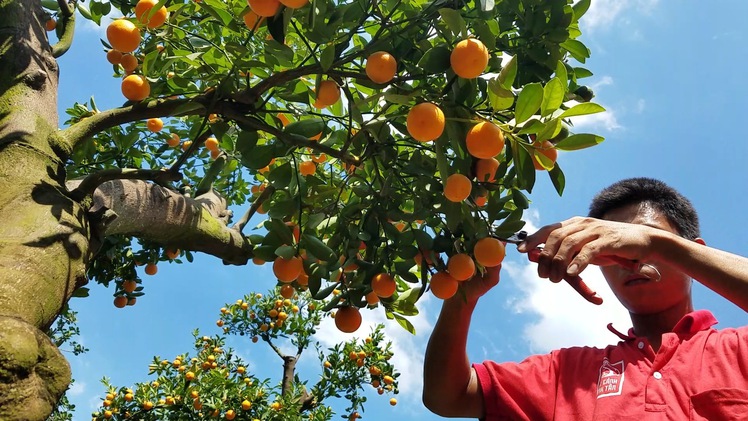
point(51, 5)
point(577, 49)
point(453, 214)
point(81, 292)
point(441, 159)
point(454, 21)
point(529, 102)
point(283, 208)
point(579, 141)
point(325, 292)
point(562, 74)
point(435, 60)
point(544, 161)
point(318, 248)
point(520, 199)
point(553, 96)
point(508, 73)
point(280, 229)
point(286, 252)
point(558, 179)
point(405, 323)
point(266, 253)
point(532, 126)
point(246, 142)
point(525, 167)
point(582, 109)
point(509, 226)
point(259, 157)
point(280, 176)
point(581, 72)
point(551, 130)
point(327, 57)
point(307, 128)
point(483, 31)
point(580, 8)
point(82, 9)
point(500, 98)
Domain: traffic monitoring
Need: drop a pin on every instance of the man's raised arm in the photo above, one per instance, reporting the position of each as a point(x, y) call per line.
point(450, 385)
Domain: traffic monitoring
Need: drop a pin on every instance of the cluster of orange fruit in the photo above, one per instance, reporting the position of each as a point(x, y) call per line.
point(485, 140)
point(461, 267)
point(124, 37)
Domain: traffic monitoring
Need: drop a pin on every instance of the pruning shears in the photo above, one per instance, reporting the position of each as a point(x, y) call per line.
point(576, 282)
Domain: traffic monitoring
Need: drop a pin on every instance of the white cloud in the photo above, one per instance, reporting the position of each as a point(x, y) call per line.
point(564, 317)
point(603, 13)
point(408, 349)
point(606, 120)
point(78, 388)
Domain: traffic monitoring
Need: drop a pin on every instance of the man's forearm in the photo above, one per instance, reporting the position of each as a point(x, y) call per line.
point(724, 273)
point(449, 387)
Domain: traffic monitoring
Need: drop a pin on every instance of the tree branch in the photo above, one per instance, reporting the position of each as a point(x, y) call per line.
point(92, 181)
point(68, 9)
point(151, 212)
point(232, 113)
point(98, 122)
point(68, 29)
point(239, 226)
point(251, 95)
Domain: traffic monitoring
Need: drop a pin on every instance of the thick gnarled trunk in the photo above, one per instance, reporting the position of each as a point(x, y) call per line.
point(43, 236)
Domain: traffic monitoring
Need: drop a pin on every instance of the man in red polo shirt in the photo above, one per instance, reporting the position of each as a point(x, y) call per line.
point(672, 365)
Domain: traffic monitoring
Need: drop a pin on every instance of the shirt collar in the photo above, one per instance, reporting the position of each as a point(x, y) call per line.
point(693, 322)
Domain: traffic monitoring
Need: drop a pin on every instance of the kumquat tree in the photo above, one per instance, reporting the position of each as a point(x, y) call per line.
point(384, 145)
point(213, 382)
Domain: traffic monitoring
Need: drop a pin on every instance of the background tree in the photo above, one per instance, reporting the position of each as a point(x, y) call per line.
point(214, 382)
point(374, 135)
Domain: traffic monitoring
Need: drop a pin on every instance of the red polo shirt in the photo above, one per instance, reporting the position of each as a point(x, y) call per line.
point(699, 373)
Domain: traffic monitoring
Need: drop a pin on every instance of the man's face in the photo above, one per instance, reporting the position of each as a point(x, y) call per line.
point(639, 294)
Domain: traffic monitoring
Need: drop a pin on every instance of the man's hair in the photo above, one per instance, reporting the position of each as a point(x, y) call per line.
point(665, 199)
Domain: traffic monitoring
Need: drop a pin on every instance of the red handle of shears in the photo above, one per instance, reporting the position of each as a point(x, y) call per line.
point(576, 282)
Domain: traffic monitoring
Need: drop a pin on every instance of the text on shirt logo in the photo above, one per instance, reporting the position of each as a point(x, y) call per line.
point(610, 379)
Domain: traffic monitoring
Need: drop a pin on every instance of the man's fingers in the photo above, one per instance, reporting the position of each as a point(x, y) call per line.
point(575, 281)
point(537, 238)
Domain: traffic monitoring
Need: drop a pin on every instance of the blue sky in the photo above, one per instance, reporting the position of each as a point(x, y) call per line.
point(671, 77)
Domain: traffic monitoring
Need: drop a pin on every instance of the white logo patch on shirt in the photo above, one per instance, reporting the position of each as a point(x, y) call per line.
point(610, 379)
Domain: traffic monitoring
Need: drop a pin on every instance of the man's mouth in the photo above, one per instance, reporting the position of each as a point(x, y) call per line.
point(636, 281)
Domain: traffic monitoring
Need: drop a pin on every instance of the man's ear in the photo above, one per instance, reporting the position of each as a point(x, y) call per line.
point(700, 241)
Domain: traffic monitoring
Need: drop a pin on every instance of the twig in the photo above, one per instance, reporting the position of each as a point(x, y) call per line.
point(98, 122)
point(241, 223)
point(294, 140)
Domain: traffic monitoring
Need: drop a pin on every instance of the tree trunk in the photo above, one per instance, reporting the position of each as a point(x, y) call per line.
point(44, 243)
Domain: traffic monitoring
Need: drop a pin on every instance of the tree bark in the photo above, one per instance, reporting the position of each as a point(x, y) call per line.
point(43, 235)
point(48, 239)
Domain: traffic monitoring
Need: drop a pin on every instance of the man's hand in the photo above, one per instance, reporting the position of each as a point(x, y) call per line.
point(571, 245)
point(478, 285)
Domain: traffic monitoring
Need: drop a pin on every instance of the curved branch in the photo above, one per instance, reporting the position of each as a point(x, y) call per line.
point(66, 8)
point(98, 122)
point(68, 29)
point(92, 181)
point(239, 226)
point(251, 95)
